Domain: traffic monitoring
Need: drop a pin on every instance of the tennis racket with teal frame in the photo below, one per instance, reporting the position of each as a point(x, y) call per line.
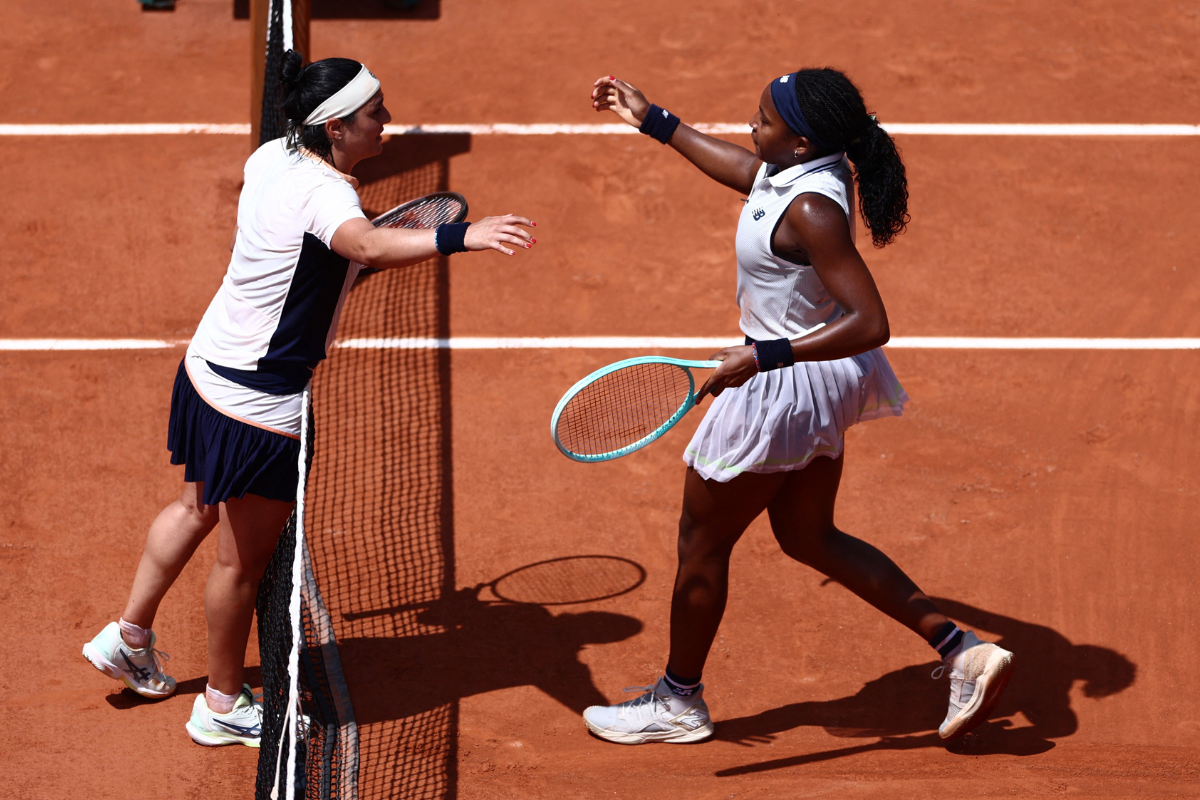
point(624, 407)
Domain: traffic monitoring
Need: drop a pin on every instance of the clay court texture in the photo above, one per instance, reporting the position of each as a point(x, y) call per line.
point(1047, 497)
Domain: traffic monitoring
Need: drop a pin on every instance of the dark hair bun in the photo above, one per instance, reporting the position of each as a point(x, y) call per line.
point(304, 89)
point(289, 73)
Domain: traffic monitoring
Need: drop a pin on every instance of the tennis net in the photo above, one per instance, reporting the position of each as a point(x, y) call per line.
point(309, 746)
point(377, 532)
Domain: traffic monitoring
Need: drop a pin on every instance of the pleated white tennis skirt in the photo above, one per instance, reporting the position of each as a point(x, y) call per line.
point(782, 419)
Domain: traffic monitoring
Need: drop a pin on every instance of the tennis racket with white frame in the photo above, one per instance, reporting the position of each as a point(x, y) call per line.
point(624, 407)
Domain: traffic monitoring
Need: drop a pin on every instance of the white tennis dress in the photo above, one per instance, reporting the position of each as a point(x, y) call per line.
point(782, 419)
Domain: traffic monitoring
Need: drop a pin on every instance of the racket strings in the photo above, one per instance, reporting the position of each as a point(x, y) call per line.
point(622, 407)
point(428, 213)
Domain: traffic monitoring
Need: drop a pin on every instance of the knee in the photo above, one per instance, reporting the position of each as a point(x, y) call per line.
point(696, 544)
point(237, 568)
point(808, 544)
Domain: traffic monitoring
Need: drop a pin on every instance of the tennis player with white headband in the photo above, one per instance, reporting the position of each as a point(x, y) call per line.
point(237, 403)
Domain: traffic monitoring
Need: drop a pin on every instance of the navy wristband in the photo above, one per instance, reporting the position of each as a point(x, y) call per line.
point(449, 238)
point(773, 354)
point(659, 124)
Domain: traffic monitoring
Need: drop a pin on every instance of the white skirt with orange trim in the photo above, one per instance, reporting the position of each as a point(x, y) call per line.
point(782, 419)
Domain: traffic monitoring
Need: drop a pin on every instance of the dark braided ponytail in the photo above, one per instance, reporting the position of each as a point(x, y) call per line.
point(305, 88)
point(834, 109)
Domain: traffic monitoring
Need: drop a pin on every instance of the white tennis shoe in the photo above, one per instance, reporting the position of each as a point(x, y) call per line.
point(978, 675)
point(657, 716)
point(242, 725)
point(139, 669)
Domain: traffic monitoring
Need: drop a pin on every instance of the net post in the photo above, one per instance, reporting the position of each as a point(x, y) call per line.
point(260, 12)
point(300, 34)
point(260, 31)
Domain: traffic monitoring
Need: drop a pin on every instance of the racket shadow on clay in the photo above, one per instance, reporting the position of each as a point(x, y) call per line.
point(497, 635)
point(568, 580)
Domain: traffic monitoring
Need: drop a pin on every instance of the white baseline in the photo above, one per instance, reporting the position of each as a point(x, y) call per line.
point(554, 129)
point(635, 343)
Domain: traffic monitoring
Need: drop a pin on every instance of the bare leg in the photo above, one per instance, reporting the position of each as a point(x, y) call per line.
point(714, 517)
point(174, 536)
point(250, 528)
point(802, 518)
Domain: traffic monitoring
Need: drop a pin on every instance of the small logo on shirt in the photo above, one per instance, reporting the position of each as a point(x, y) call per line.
point(758, 214)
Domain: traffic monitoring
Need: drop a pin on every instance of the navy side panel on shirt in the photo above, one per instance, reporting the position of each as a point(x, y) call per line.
point(284, 380)
point(308, 311)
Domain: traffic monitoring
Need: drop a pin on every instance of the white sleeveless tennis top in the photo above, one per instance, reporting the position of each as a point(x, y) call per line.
point(782, 419)
point(779, 299)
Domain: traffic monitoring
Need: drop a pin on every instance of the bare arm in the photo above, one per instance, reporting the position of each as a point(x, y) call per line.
point(815, 231)
point(726, 163)
point(386, 248)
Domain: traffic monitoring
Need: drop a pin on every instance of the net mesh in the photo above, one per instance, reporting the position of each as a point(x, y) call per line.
point(381, 522)
point(622, 407)
point(325, 755)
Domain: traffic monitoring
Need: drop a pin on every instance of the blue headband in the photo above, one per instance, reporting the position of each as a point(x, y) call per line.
point(783, 93)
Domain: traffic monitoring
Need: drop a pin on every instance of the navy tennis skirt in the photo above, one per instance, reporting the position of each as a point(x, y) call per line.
point(232, 458)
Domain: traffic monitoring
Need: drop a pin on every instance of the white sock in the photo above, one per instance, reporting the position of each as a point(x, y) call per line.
point(219, 703)
point(135, 636)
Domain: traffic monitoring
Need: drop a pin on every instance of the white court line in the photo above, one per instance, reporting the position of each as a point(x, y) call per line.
point(617, 129)
point(632, 343)
point(89, 344)
point(709, 342)
point(146, 129)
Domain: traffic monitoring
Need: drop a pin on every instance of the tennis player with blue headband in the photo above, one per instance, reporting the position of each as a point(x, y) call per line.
point(773, 438)
point(237, 405)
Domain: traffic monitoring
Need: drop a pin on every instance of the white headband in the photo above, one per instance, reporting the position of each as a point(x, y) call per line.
point(345, 101)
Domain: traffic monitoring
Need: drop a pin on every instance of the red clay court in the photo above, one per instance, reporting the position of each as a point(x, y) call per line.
point(1047, 497)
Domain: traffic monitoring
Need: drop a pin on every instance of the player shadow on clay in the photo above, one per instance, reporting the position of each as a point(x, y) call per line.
point(903, 708)
point(484, 647)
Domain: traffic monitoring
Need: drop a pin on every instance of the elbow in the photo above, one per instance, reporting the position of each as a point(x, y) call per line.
point(882, 334)
point(873, 331)
point(368, 254)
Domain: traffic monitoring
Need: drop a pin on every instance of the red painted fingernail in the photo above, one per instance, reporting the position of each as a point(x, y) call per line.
point(534, 241)
point(612, 77)
point(534, 224)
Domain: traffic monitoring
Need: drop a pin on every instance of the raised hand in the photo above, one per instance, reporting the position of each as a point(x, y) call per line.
point(617, 96)
point(492, 233)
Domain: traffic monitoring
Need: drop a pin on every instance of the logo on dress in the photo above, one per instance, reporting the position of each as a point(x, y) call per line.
point(758, 214)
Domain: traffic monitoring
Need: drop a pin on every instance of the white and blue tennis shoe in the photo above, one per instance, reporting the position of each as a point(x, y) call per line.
point(657, 716)
point(242, 725)
point(139, 669)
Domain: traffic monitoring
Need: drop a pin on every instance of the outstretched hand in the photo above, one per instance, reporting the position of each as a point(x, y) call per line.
point(737, 367)
point(493, 233)
point(617, 96)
